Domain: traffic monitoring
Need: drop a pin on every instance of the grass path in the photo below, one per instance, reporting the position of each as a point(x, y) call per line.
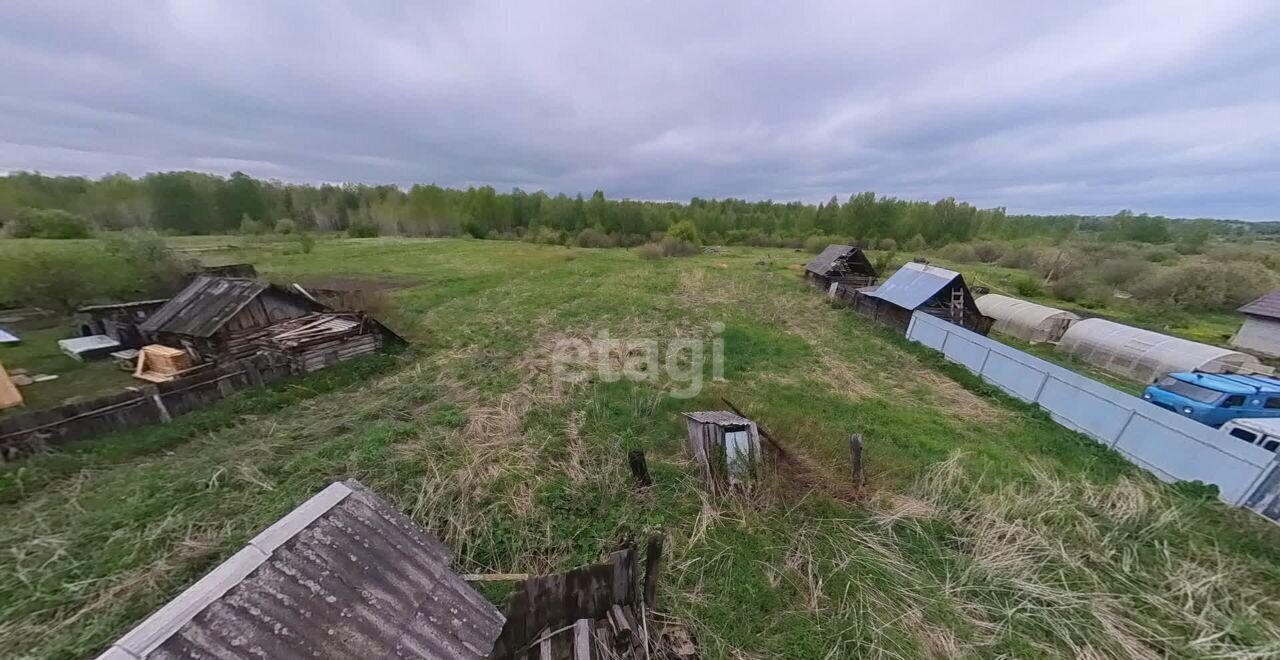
point(987, 530)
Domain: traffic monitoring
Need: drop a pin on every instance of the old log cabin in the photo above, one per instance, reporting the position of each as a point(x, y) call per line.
point(842, 264)
point(221, 318)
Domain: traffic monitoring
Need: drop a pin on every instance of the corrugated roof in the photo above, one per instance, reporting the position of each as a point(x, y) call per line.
point(344, 575)
point(1268, 306)
point(720, 417)
point(825, 262)
point(204, 306)
point(914, 284)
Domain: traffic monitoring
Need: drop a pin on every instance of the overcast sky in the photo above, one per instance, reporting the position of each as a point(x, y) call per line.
point(1161, 106)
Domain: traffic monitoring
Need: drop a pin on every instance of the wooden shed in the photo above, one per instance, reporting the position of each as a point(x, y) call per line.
point(220, 318)
point(1260, 332)
point(726, 446)
point(842, 264)
point(920, 287)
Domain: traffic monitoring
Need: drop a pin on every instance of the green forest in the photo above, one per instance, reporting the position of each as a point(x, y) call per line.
point(36, 205)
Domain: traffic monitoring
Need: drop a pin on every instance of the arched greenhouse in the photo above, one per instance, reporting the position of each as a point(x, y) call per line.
point(1025, 320)
point(1146, 356)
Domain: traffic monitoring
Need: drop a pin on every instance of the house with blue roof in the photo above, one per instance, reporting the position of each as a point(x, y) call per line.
point(920, 287)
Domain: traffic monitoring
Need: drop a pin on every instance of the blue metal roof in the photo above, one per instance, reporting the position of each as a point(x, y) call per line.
point(914, 284)
point(1232, 383)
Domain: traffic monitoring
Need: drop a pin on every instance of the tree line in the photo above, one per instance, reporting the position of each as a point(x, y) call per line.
point(33, 204)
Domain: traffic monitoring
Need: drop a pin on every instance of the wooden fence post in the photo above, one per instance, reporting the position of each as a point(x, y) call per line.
point(652, 564)
point(639, 468)
point(855, 459)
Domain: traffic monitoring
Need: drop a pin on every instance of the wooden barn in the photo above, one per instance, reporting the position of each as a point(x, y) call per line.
point(221, 318)
point(920, 287)
point(118, 321)
point(842, 264)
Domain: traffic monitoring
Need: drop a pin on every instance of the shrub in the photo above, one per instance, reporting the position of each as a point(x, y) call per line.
point(988, 252)
point(155, 269)
point(545, 236)
point(1022, 257)
point(249, 226)
point(816, 244)
point(1060, 263)
point(959, 252)
point(1204, 286)
point(1160, 255)
point(916, 243)
point(1068, 288)
point(362, 229)
point(888, 245)
point(285, 226)
point(306, 242)
point(650, 251)
point(49, 223)
point(685, 231)
point(594, 238)
point(883, 261)
point(1119, 272)
point(672, 247)
point(1028, 287)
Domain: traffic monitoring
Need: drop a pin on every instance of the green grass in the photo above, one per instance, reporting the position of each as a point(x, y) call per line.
point(39, 354)
point(986, 529)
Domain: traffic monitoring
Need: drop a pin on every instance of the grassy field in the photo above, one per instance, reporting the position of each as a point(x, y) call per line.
point(985, 530)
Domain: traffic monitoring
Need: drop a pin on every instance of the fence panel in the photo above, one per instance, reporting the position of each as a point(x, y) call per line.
point(1162, 442)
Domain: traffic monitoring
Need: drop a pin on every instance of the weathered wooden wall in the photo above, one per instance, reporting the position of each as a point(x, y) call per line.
point(145, 404)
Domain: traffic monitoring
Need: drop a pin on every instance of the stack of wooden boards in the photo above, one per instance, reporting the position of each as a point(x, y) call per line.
point(9, 394)
point(316, 341)
point(161, 364)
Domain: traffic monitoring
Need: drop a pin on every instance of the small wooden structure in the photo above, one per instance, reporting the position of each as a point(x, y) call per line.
point(1260, 333)
point(315, 341)
point(118, 321)
point(9, 394)
point(161, 364)
point(920, 287)
point(726, 446)
point(221, 318)
point(840, 264)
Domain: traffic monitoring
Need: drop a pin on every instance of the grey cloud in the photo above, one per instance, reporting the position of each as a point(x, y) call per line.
point(1167, 107)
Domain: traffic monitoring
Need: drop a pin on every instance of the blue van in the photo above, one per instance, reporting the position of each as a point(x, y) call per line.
point(1216, 399)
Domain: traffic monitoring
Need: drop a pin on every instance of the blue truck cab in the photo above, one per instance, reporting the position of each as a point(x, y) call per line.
point(1216, 399)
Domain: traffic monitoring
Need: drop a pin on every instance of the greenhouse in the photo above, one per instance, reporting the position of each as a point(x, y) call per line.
point(1146, 356)
point(1025, 320)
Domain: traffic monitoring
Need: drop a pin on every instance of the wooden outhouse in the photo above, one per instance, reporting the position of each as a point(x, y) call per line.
point(725, 445)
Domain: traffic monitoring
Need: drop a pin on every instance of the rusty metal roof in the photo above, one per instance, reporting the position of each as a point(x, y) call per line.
point(914, 284)
point(344, 575)
point(1267, 306)
point(202, 308)
point(718, 417)
point(826, 261)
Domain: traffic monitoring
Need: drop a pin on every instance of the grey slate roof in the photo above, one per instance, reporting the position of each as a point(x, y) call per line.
point(1267, 306)
point(718, 417)
point(202, 308)
point(914, 284)
point(344, 575)
point(825, 261)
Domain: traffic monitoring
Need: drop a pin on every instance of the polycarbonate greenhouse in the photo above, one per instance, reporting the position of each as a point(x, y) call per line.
point(1146, 356)
point(1025, 320)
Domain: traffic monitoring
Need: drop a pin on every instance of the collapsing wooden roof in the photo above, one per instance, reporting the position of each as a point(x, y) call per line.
point(208, 303)
point(344, 575)
point(839, 259)
point(1267, 306)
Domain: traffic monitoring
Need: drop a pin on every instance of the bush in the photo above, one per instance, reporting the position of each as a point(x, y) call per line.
point(650, 251)
point(685, 231)
point(545, 236)
point(285, 226)
point(1068, 288)
point(306, 242)
point(1204, 286)
point(816, 244)
point(1119, 272)
point(888, 245)
point(883, 261)
point(1160, 255)
point(988, 252)
point(594, 238)
point(362, 229)
point(155, 269)
point(249, 226)
point(1022, 257)
point(1028, 287)
point(916, 244)
point(959, 252)
point(1060, 263)
point(49, 223)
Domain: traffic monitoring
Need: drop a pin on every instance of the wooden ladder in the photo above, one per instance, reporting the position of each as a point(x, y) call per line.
point(957, 305)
